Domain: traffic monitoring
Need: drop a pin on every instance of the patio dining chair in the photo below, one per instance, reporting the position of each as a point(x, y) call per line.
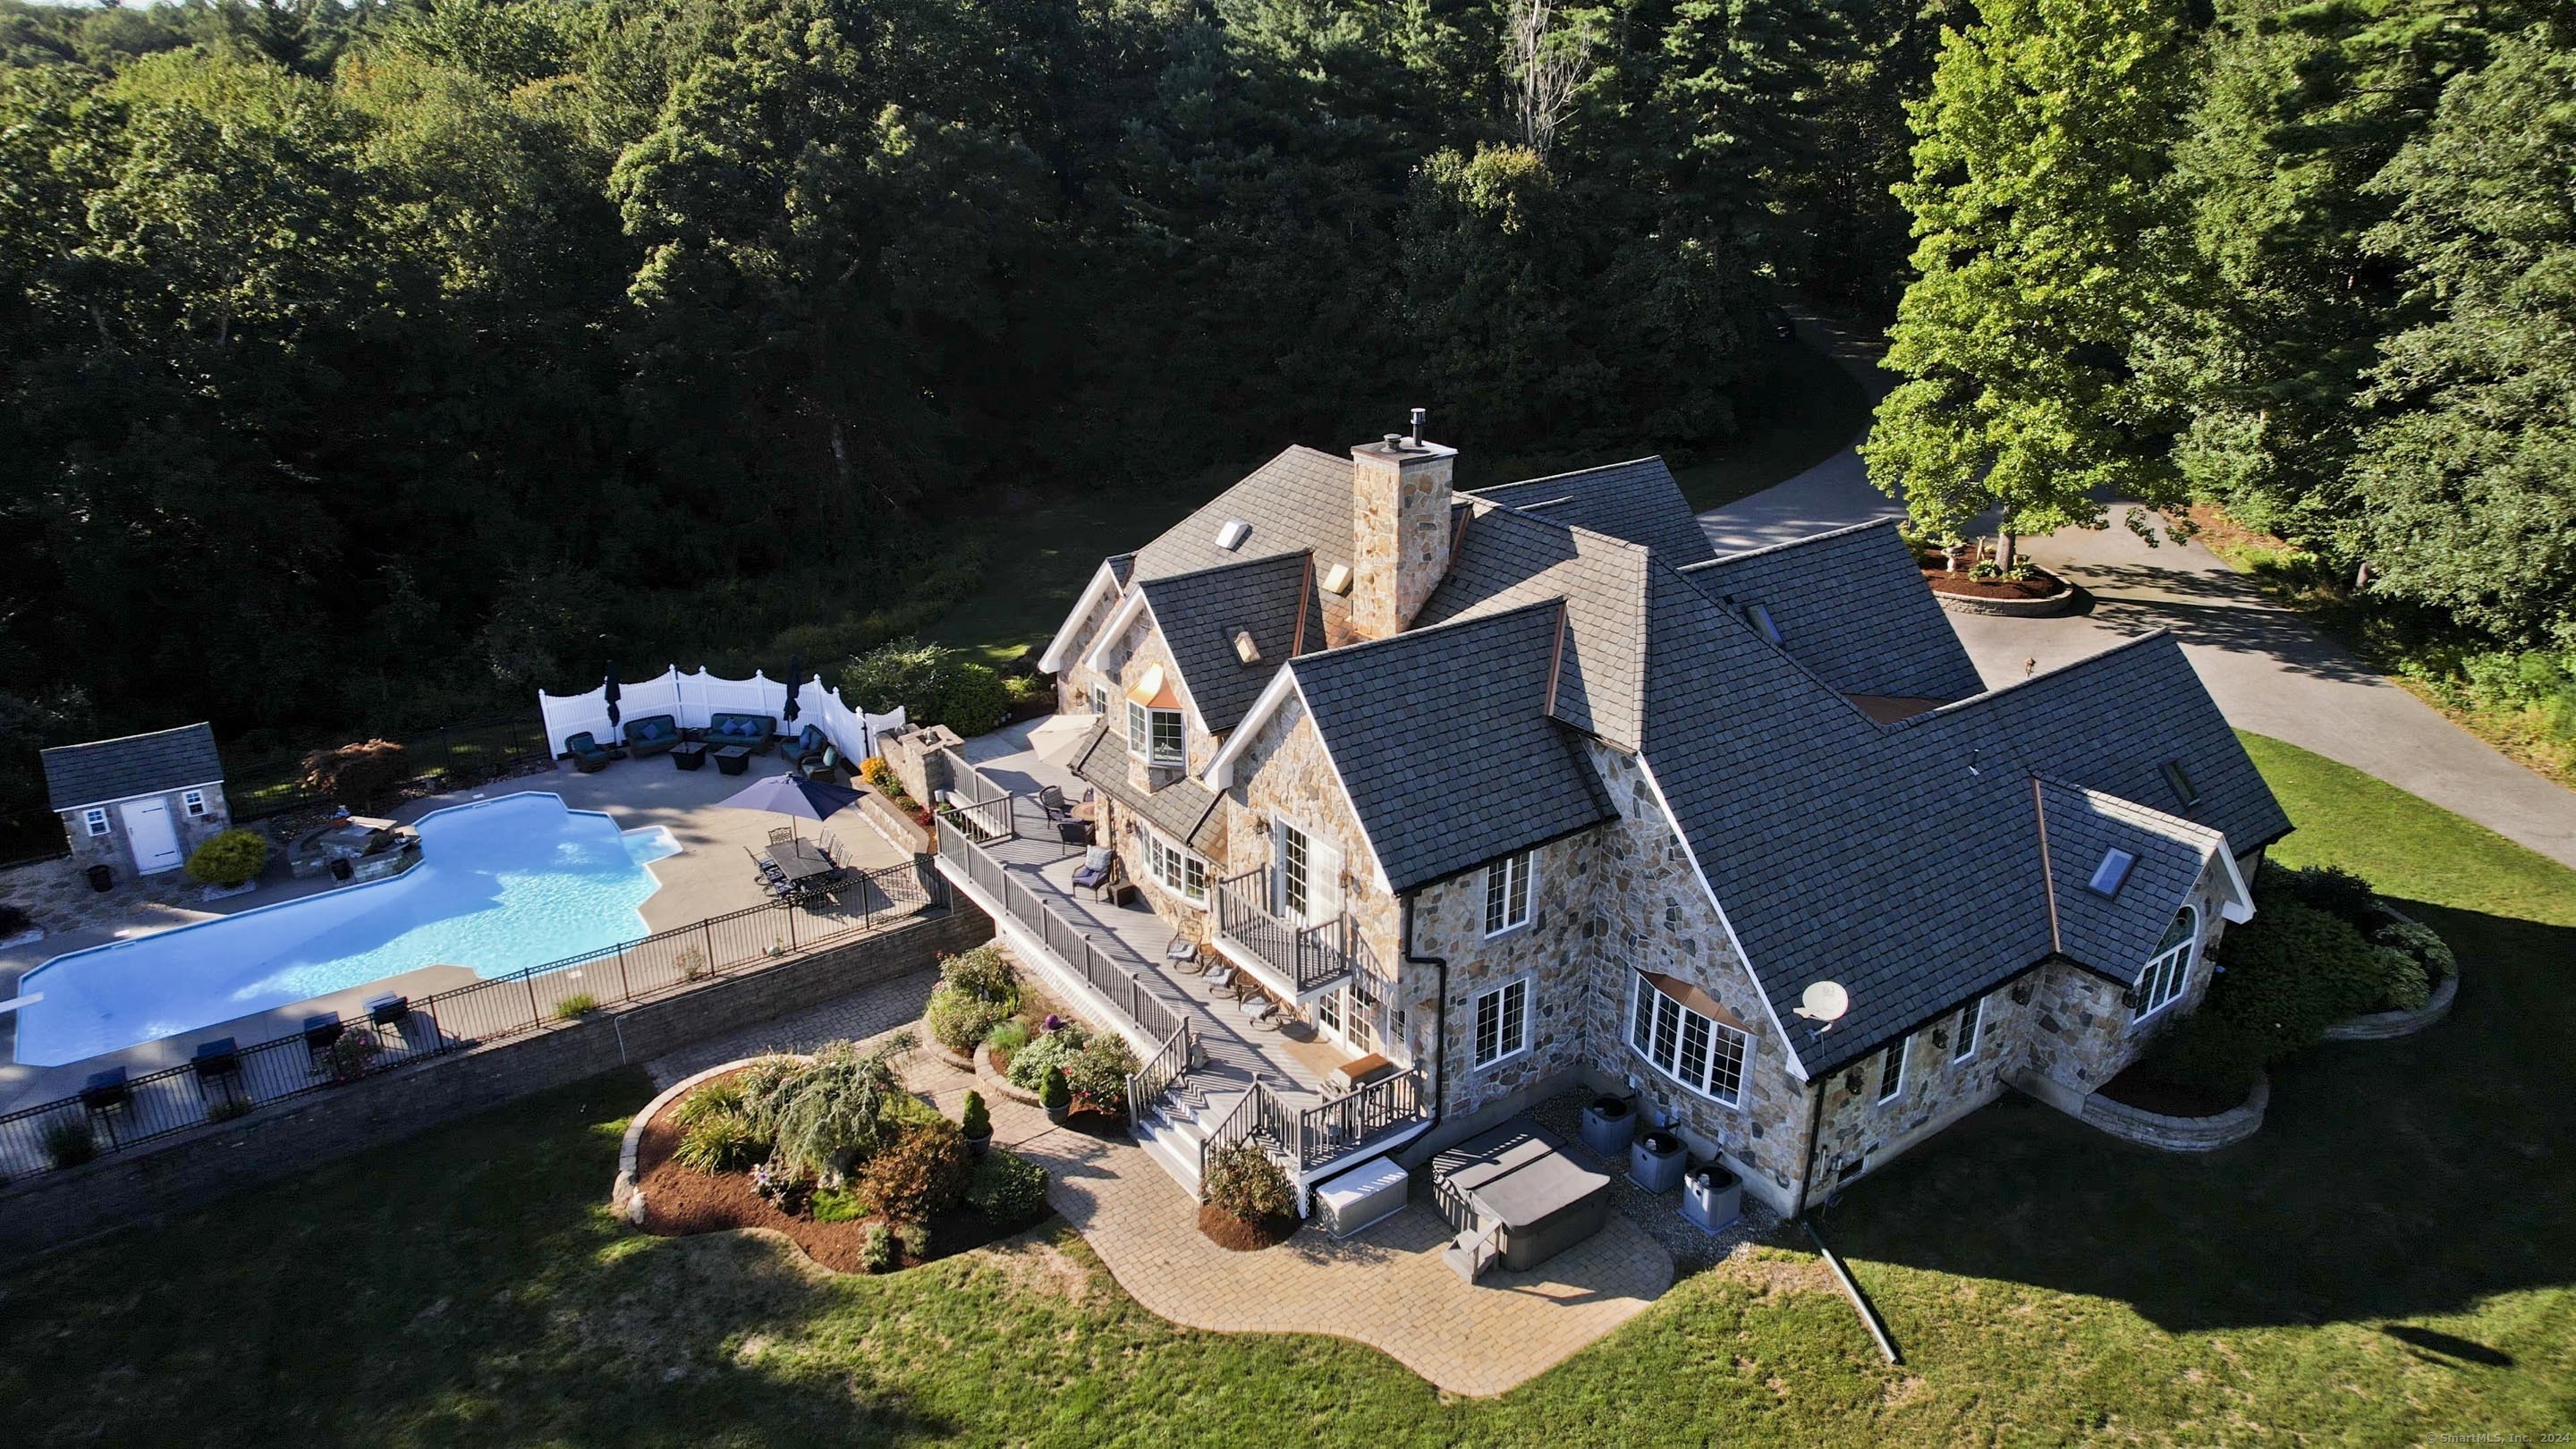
point(781, 834)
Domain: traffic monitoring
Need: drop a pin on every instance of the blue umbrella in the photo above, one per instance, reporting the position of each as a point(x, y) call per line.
point(793, 796)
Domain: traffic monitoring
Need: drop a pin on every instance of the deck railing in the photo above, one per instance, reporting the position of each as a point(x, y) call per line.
point(1150, 1083)
point(1309, 1140)
point(71, 1130)
point(1311, 957)
point(1069, 939)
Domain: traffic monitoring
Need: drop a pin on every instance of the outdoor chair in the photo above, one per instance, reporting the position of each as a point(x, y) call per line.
point(1261, 1011)
point(1051, 800)
point(1100, 879)
point(809, 744)
point(826, 766)
point(1073, 832)
point(588, 755)
point(782, 834)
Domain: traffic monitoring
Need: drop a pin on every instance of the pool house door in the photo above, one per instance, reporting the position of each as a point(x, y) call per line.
point(154, 839)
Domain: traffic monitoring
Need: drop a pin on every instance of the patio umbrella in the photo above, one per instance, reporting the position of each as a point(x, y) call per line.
point(795, 681)
point(609, 692)
point(793, 796)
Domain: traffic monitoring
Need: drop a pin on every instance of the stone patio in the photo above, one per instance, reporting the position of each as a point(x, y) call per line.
point(1385, 1287)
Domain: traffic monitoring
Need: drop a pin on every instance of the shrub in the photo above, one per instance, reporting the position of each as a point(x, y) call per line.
point(1008, 1035)
point(1008, 1190)
point(958, 1020)
point(915, 1239)
point(2403, 985)
point(720, 1142)
point(226, 1108)
point(2293, 971)
point(1031, 1063)
point(935, 684)
point(228, 858)
point(876, 1250)
point(351, 1054)
point(2419, 941)
point(1098, 1073)
point(977, 1119)
point(354, 774)
point(836, 1114)
point(841, 1205)
point(1053, 1094)
point(920, 1174)
point(13, 919)
point(715, 1099)
point(983, 973)
point(876, 771)
point(576, 1006)
point(1247, 1183)
point(2332, 889)
point(69, 1142)
point(766, 1085)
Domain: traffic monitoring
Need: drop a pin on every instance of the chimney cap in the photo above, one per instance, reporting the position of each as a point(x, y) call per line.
point(1393, 441)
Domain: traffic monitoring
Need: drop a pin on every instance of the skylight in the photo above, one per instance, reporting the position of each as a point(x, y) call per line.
point(1244, 648)
point(1231, 536)
point(2113, 870)
point(1760, 616)
point(2178, 780)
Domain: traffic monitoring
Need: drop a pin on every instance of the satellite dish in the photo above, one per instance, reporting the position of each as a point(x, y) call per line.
point(1825, 1001)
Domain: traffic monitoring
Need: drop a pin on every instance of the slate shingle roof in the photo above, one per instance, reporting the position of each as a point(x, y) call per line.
point(1637, 500)
point(1299, 501)
point(1197, 614)
point(1443, 744)
point(2115, 934)
point(1508, 559)
point(1180, 810)
point(1851, 606)
point(78, 775)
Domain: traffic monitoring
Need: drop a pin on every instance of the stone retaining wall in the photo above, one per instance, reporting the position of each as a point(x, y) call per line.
point(59, 1209)
point(2180, 1134)
point(2387, 1025)
point(2054, 604)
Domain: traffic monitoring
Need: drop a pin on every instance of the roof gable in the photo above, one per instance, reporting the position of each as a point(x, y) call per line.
point(149, 764)
point(1272, 599)
point(1299, 501)
point(1851, 606)
point(2115, 934)
point(1508, 560)
point(1638, 501)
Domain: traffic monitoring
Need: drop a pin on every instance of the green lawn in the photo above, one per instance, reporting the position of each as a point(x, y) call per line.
point(2389, 1259)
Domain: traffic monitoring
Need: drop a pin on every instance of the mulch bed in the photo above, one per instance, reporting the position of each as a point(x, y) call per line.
point(2134, 1088)
point(1937, 573)
point(1228, 1231)
point(679, 1203)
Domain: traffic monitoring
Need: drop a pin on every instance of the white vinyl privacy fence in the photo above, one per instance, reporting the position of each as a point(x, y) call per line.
point(693, 698)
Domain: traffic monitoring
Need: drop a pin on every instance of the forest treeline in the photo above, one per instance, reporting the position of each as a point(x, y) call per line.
point(360, 361)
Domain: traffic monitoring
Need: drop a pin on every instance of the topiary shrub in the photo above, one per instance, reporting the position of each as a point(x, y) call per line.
point(2293, 971)
point(1008, 1190)
point(935, 684)
point(977, 1119)
point(2417, 940)
point(1246, 1183)
point(1053, 1094)
point(228, 858)
point(876, 1250)
point(355, 774)
point(919, 1175)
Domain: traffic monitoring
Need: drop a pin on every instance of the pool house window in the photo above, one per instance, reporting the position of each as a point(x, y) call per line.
point(194, 803)
point(1507, 892)
point(1502, 1022)
point(1688, 1037)
point(94, 821)
point(2160, 984)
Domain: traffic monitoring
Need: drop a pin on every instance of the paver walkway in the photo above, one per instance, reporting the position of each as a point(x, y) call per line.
point(1387, 1287)
point(2268, 668)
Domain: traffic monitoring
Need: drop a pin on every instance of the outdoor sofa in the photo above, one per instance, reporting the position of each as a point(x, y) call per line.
point(652, 735)
point(749, 731)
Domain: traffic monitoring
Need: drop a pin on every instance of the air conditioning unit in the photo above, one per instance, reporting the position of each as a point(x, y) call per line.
point(1712, 1196)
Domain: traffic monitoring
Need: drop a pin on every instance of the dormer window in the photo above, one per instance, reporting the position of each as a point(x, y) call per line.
point(1155, 734)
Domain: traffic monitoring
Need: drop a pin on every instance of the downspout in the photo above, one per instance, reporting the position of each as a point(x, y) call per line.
point(1439, 1017)
point(1815, 1135)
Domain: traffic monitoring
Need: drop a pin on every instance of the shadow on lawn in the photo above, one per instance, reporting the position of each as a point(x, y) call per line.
point(2391, 1179)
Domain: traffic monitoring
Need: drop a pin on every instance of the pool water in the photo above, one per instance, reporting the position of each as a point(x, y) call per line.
point(502, 885)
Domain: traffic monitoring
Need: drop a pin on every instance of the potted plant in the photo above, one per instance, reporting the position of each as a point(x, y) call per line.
point(1054, 1095)
point(976, 1124)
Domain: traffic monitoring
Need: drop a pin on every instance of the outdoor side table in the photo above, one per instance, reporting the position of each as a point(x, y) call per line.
point(689, 756)
point(733, 760)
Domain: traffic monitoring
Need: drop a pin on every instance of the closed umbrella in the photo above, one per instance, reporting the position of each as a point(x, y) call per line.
point(795, 682)
point(609, 692)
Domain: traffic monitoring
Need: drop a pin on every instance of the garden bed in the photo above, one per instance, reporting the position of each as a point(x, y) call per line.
point(2140, 1088)
point(2041, 594)
point(1238, 1235)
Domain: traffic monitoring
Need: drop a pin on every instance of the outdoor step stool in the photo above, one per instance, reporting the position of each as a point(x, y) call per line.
point(219, 1070)
point(320, 1031)
point(393, 1009)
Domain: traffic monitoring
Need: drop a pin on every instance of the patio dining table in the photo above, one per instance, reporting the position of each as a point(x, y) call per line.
point(801, 859)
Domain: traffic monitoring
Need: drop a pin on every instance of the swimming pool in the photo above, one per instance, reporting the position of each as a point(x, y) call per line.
point(502, 885)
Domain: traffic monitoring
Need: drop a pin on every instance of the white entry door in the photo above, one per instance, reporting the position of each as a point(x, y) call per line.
point(154, 838)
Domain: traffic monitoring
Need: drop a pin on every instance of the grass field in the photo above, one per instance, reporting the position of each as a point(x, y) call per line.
point(1798, 409)
point(2389, 1260)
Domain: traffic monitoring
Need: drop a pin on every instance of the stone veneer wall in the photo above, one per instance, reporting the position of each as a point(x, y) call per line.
point(1399, 535)
point(2082, 1032)
point(115, 850)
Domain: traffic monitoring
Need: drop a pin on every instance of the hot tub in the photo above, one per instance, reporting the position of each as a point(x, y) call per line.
point(1520, 1177)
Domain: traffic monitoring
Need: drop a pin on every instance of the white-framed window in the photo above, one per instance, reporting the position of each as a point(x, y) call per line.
point(2160, 983)
point(1971, 1017)
point(1328, 1011)
point(1099, 698)
point(1891, 1070)
point(194, 803)
point(1703, 1055)
point(94, 821)
point(1168, 746)
point(1176, 869)
point(1296, 872)
point(1502, 1022)
point(1137, 727)
point(1507, 892)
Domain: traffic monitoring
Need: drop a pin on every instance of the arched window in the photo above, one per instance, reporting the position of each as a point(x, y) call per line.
point(2160, 984)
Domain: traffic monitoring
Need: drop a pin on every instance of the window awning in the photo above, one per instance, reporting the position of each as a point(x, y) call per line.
point(1696, 999)
point(1153, 689)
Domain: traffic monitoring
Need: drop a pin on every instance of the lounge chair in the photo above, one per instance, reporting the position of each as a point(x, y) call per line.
point(825, 767)
point(588, 756)
point(652, 735)
point(809, 744)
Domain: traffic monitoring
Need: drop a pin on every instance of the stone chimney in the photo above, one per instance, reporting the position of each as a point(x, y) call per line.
point(1399, 529)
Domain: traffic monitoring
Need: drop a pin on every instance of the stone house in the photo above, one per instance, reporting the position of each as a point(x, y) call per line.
point(1524, 787)
point(139, 804)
